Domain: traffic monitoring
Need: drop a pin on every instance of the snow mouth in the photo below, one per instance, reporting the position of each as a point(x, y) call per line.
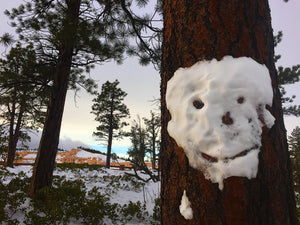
point(212, 159)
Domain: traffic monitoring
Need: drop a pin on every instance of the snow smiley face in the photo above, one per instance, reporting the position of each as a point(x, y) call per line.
point(218, 109)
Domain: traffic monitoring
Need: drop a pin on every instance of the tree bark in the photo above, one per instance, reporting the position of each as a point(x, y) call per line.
point(111, 130)
point(203, 30)
point(153, 148)
point(108, 154)
point(12, 114)
point(44, 163)
point(14, 135)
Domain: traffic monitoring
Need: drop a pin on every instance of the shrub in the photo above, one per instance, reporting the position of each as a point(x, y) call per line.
point(61, 203)
point(134, 210)
point(69, 202)
point(156, 211)
point(12, 197)
point(97, 207)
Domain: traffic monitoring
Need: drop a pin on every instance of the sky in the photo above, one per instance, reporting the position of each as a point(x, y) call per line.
point(142, 83)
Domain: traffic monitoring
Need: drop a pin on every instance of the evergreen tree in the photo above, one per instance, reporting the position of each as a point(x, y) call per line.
point(294, 147)
point(147, 30)
point(23, 95)
point(3, 142)
point(152, 135)
point(110, 111)
point(288, 75)
point(71, 36)
point(206, 30)
point(138, 150)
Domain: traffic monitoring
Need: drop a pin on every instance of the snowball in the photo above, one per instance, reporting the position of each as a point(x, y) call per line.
point(215, 108)
point(185, 207)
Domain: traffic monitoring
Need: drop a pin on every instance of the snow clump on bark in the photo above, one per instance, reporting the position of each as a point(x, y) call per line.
point(185, 208)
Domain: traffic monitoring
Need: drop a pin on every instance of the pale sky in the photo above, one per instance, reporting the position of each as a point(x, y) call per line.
point(142, 83)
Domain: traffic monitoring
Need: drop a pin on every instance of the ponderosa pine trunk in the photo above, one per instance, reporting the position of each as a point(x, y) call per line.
point(45, 160)
point(203, 30)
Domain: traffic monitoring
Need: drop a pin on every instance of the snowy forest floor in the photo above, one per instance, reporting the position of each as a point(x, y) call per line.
point(80, 194)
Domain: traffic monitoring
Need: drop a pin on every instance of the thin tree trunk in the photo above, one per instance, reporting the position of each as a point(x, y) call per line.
point(108, 154)
point(153, 150)
point(207, 29)
point(110, 131)
point(14, 135)
point(44, 163)
point(12, 114)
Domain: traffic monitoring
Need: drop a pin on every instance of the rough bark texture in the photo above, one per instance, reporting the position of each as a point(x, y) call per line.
point(44, 164)
point(205, 29)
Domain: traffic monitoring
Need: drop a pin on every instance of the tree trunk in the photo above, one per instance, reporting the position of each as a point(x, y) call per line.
point(108, 154)
point(14, 135)
point(44, 163)
point(110, 131)
point(207, 29)
point(153, 150)
point(12, 114)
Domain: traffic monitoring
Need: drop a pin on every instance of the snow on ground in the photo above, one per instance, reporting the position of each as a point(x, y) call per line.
point(85, 154)
point(75, 155)
point(30, 156)
point(120, 191)
point(94, 179)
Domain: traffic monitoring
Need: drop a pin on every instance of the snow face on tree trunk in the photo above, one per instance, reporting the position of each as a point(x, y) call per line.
point(218, 109)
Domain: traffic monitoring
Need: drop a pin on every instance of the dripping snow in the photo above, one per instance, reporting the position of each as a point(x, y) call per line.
point(185, 207)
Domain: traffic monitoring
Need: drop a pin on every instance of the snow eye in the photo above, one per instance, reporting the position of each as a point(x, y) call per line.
point(198, 104)
point(240, 100)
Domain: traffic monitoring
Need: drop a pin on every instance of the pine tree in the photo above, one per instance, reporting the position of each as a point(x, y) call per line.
point(138, 150)
point(206, 30)
point(71, 36)
point(110, 111)
point(24, 94)
point(288, 75)
point(294, 147)
point(147, 30)
point(152, 134)
point(3, 142)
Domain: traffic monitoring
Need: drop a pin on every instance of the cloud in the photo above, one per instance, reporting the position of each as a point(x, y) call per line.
point(65, 143)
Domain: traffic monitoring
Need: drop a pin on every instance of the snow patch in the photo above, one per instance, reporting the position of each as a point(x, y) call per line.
point(218, 109)
point(30, 156)
point(85, 154)
point(185, 207)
